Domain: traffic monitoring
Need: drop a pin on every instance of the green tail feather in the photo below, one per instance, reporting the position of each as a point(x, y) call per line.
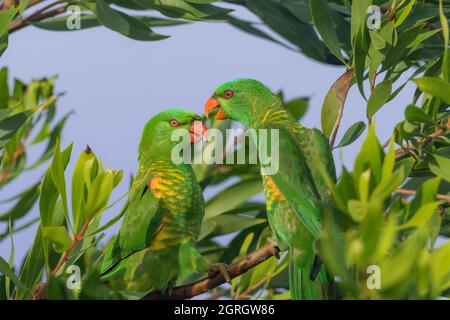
point(300, 283)
point(154, 270)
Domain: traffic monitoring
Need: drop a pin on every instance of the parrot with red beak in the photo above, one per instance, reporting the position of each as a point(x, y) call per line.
point(294, 193)
point(157, 239)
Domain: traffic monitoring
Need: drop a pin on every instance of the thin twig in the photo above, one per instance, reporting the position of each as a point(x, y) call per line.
point(201, 286)
point(246, 293)
point(77, 238)
point(405, 151)
point(32, 3)
point(6, 4)
point(408, 192)
point(4, 174)
point(392, 10)
point(37, 16)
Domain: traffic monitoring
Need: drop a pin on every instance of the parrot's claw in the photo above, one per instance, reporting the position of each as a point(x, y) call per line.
point(276, 252)
point(275, 247)
point(221, 268)
point(169, 291)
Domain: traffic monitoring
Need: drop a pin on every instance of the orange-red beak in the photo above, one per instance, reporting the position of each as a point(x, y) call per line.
point(197, 131)
point(213, 104)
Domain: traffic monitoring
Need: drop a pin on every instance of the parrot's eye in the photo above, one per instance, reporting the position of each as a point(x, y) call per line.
point(228, 94)
point(174, 123)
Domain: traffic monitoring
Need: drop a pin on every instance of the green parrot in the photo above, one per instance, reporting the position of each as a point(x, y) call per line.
point(157, 239)
point(294, 192)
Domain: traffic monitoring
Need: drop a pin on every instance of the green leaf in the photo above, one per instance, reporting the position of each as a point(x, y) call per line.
point(186, 10)
point(60, 23)
point(422, 215)
point(445, 34)
point(379, 97)
point(5, 19)
point(440, 260)
point(11, 259)
point(404, 13)
point(352, 134)
point(440, 167)
point(323, 20)
point(297, 107)
point(124, 24)
point(33, 266)
point(4, 90)
point(58, 236)
point(359, 59)
point(248, 27)
point(226, 223)
point(435, 87)
point(399, 264)
point(285, 24)
point(26, 201)
point(6, 270)
point(233, 197)
point(78, 189)
point(416, 115)
point(334, 102)
point(369, 157)
point(47, 200)
point(99, 194)
point(57, 169)
point(110, 222)
point(444, 23)
point(359, 16)
point(118, 176)
point(10, 125)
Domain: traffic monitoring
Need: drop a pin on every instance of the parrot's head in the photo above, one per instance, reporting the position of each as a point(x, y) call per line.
point(159, 132)
point(243, 100)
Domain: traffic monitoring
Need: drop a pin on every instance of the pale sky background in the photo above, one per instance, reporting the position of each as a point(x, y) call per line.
point(115, 84)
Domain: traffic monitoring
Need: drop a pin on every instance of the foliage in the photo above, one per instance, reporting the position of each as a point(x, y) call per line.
point(27, 120)
point(370, 227)
point(391, 210)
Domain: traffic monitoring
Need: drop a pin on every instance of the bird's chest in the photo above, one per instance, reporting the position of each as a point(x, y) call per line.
point(174, 189)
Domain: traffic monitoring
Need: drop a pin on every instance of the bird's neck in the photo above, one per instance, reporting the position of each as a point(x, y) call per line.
point(158, 156)
point(163, 167)
point(276, 117)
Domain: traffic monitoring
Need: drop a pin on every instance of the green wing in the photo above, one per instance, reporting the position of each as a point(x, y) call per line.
point(316, 148)
point(142, 220)
point(296, 183)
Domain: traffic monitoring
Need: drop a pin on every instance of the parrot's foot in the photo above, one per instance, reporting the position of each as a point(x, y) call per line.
point(169, 291)
point(221, 268)
point(275, 247)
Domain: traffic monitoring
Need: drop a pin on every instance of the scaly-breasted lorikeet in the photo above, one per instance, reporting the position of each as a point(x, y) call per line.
point(294, 192)
point(156, 242)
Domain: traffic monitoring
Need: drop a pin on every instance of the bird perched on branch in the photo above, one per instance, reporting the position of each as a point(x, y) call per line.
point(156, 242)
point(294, 192)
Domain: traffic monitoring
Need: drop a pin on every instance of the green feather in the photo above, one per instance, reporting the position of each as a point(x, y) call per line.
point(157, 239)
point(294, 194)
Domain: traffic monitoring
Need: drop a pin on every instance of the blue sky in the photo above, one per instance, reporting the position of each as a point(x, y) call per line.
point(115, 84)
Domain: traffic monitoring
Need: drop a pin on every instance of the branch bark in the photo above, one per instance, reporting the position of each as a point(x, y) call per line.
point(37, 16)
point(201, 286)
point(403, 152)
point(408, 192)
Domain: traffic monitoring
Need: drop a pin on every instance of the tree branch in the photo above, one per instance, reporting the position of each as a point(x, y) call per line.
point(408, 192)
point(404, 152)
point(32, 3)
point(39, 15)
point(77, 237)
point(7, 4)
point(201, 286)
